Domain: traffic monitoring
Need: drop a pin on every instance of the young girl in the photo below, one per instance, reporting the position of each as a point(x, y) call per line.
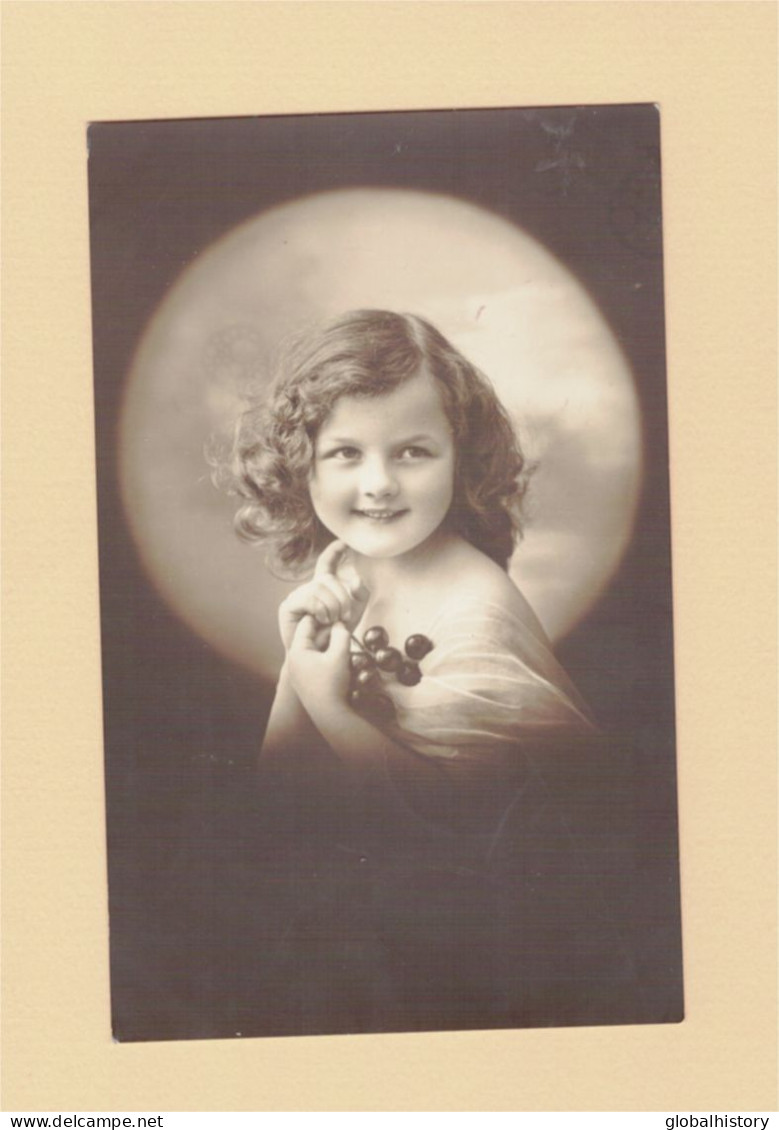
point(384, 459)
point(418, 859)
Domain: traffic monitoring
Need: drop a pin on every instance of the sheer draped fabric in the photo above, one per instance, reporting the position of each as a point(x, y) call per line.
point(491, 683)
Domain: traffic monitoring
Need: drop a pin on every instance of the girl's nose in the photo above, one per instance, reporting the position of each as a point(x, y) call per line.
point(378, 479)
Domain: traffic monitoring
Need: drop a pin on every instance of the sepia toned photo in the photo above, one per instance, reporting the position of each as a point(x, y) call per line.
point(385, 572)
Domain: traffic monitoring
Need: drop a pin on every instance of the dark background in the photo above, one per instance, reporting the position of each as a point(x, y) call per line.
point(182, 724)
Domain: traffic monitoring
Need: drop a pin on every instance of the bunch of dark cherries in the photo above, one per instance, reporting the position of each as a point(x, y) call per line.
point(376, 655)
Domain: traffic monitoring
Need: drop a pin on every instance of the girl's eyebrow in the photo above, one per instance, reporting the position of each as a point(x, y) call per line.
point(421, 437)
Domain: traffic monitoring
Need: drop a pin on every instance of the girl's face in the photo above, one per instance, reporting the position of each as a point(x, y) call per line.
point(383, 473)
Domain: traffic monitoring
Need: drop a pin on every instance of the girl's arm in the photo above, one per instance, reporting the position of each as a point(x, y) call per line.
point(288, 723)
point(327, 598)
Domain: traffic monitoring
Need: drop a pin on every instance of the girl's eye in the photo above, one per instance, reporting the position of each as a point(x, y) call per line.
point(345, 454)
point(414, 452)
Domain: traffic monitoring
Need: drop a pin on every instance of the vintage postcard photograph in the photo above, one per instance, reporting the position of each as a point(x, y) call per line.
point(385, 572)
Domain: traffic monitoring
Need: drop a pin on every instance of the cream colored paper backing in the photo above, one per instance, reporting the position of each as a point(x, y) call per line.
point(711, 68)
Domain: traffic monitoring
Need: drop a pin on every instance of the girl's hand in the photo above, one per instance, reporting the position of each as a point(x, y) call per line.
point(320, 675)
point(320, 681)
point(335, 594)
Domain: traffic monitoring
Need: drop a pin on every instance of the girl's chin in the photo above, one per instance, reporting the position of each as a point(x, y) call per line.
point(362, 547)
point(381, 545)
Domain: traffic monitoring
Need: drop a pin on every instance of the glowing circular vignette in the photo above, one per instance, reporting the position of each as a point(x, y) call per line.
point(499, 295)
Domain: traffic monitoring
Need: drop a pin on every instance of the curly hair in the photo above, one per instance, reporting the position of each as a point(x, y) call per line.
point(369, 353)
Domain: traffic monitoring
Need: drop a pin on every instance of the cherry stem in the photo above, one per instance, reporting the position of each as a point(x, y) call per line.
point(359, 643)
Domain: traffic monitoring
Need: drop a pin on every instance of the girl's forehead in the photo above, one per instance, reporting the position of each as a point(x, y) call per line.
point(415, 402)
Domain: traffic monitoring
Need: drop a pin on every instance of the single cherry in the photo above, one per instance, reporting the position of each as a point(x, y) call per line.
point(418, 646)
point(376, 638)
point(408, 673)
point(388, 658)
point(361, 661)
point(365, 677)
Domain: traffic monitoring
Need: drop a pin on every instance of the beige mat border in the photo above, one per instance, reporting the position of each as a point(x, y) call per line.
point(711, 67)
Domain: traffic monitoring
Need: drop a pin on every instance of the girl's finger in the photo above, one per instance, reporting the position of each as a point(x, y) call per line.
point(305, 635)
point(322, 638)
point(340, 640)
point(348, 575)
point(324, 605)
point(339, 592)
point(328, 560)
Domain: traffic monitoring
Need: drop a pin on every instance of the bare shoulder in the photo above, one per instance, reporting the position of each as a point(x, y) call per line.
point(474, 579)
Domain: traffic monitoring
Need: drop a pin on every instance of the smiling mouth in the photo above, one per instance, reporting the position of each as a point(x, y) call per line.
point(380, 515)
